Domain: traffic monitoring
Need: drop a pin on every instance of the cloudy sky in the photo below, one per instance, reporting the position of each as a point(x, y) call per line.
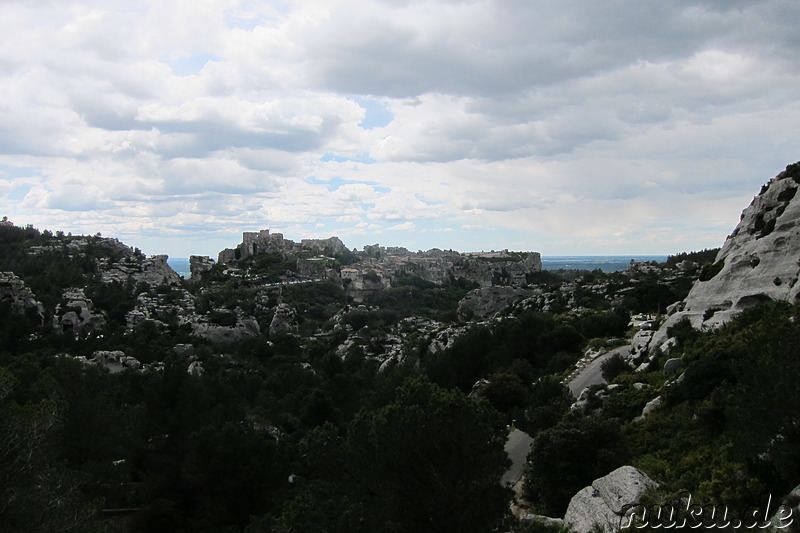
point(571, 128)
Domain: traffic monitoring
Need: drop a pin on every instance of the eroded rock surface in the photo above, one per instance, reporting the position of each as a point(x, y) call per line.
point(20, 297)
point(486, 301)
point(604, 502)
point(759, 261)
point(153, 270)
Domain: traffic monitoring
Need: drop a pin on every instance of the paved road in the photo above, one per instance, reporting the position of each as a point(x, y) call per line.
point(592, 373)
point(517, 447)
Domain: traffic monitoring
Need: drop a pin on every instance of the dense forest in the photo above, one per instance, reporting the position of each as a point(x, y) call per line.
point(301, 431)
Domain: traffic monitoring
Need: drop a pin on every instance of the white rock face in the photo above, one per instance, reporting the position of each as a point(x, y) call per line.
point(760, 260)
point(604, 501)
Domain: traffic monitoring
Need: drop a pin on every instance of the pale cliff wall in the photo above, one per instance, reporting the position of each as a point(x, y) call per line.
point(759, 260)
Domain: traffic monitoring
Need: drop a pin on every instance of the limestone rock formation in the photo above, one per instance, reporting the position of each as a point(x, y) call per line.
point(760, 260)
point(362, 285)
point(486, 301)
point(115, 361)
point(195, 368)
point(199, 264)
point(499, 268)
point(673, 366)
point(604, 502)
point(77, 314)
point(177, 305)
point(22, 300)
point(245, 327)
point(284, 320)
point(153, 270)
point(650, 407)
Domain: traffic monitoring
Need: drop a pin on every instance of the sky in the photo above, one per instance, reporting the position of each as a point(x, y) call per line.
point(625, 127)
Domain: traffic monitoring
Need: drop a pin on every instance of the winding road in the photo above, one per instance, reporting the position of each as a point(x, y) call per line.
point(592, 374)
point(517, 447)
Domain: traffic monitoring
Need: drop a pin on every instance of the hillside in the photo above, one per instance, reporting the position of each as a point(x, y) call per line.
point(303, 386)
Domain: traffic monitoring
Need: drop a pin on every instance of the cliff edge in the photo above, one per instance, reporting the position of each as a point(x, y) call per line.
point(759, 261)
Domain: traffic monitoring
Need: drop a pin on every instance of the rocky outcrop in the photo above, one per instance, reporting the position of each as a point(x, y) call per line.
point(195, 368)
point(245, 327)
point(445, 337)
point(331, 245)
point(20, 298)
point(759, 261)
point(360, 286)
point(486, 301)
point(72, 246)
point(199, 264)
point(499, 268)
point(605, 501)
point(650, 407)
point(153, 270)
point(115, 361)
point(283, 321)
point(177, 305)
point(76, 313)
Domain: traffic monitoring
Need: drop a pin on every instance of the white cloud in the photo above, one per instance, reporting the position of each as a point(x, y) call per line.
point(572, 125)
point(405, 226)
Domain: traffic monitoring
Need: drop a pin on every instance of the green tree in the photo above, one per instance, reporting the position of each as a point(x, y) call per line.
point(548, 402)
point(432, 460)
point(568, 457)
point(505, 392)
point(37, 493)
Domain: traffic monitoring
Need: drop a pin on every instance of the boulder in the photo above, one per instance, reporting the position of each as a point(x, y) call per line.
point(195, 369)
point(673, 366)
point(545, 521)
point(649, 407)
point(604, 502)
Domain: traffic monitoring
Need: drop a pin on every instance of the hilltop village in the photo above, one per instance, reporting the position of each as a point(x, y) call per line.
point(373, 269)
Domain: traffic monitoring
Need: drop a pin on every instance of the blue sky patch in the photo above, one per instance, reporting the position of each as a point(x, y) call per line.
point(377, 115)
point(18, 193)
point(190, 65)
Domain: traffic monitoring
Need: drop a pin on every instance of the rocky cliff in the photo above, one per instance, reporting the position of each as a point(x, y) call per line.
point(152, 270)
point(760, 260)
